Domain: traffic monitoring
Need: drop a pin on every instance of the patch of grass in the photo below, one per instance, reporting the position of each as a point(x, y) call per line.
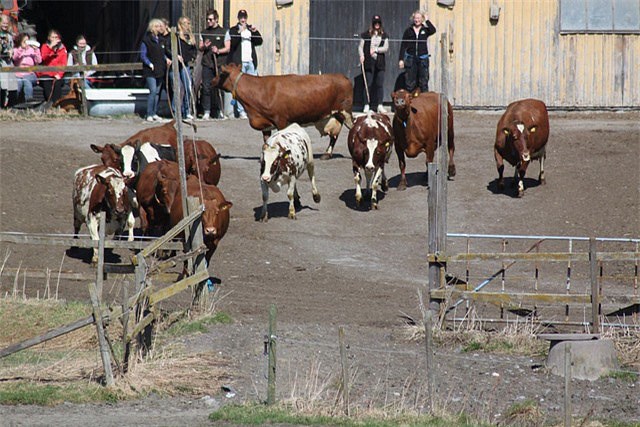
point(200, 325)
point(26, 319)
point(626, 376)
point(48, 395)
point(526, 413)
point(472, 346)
point(261, 415)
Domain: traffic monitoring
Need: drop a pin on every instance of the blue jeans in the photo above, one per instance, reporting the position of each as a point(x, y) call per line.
point(155, 86)
point(186, 79)
point(27, 83)
point(248, 68)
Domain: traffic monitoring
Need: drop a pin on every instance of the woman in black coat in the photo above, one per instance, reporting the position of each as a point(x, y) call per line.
point(414, 53)
point(374, 44)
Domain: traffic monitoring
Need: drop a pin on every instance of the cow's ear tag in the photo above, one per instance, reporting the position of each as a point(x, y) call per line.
point(533, 129)
point(286, 156)
point(386, 145)
point(506, 131)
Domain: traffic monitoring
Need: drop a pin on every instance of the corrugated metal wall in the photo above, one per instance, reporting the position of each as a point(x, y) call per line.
point(524, 55)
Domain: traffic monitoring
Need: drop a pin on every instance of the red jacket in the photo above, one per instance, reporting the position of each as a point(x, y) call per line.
point(53, 58)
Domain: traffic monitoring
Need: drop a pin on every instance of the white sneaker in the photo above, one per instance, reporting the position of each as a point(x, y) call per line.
point(188, 117)
point(381, 109)
point(206, 116)
point(243, 115)
point(366, 108)
point(157, 118)
point(150, 119)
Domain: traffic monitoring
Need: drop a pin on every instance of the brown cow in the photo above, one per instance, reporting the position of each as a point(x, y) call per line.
point(416, 126)
point(275, 102)
point(370, 140)
point(154, 200)
point(521, 136)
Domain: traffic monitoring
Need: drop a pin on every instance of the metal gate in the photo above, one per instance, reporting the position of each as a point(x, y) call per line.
point(334, 32)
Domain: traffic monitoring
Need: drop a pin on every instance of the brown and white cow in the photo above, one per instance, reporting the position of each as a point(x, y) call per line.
point(370, 140)
point(416, 126)
point(521, 136)
point(285, 156)
point(275, 102)
point(156, 189)
point(201, 159)
point(99, 189)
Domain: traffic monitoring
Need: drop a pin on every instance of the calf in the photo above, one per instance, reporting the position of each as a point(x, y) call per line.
point(370, 142)
point(521, 136)
point(156, 189)
point(285, 156)
point(416, 128)
point(99, 189)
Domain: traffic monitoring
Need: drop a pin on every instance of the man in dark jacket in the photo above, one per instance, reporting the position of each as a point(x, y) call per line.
point(414, 53)
point(242, 40)
point(214, 53)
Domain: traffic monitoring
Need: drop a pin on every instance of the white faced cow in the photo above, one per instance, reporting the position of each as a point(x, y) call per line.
point(285, 156)
point(370, 140)
point(99, 189)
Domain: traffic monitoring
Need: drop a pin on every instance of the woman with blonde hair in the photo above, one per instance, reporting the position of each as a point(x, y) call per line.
point(186, 55)
point(155, 56)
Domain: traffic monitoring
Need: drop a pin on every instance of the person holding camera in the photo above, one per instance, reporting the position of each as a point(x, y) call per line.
point(27, 54)
point(53, 53)
point(242, 40)
point(414, 53)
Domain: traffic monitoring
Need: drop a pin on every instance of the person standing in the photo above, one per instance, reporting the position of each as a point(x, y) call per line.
point(414, 53)
point(27, 54)
point(374, 44)
point(53, 53)
point(81, 54)
point(187, 56)
point(214, 53)
point(7, 80)
point(242, 40)
point(155, 58)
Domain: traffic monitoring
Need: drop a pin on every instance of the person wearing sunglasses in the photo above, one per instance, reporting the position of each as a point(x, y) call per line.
point(214, 53)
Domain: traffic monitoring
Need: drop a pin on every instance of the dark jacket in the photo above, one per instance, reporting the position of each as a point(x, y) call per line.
point(369, 62)
point(416, 46)
point(187, 51)
point(154, 51)
point(235, 54)
point(216, 37)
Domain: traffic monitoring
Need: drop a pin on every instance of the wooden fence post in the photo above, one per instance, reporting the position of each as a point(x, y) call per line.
point(102, 340)
point(271, 376)
point(595, 292)
point(428, 338)
point(444, 69)
point(144, 337)
point(100, 268)
point(83, 94)
point(126, 343)
point(195, 241)
point(567, 384)
point(345, 370)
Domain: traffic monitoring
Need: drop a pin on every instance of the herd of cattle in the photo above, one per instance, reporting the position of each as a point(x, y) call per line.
point(140, 175)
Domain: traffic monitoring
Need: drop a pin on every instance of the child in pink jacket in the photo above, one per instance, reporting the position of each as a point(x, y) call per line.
point(27, 54)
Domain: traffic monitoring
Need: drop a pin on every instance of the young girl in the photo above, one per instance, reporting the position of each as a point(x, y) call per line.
point(27, 54)
point(54, 53)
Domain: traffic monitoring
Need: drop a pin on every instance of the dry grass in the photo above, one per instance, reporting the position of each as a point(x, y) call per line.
point(627, 344)
point(36, 115)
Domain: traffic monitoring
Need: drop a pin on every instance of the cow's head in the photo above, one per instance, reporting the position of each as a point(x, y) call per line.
point(274, 161)
point(114, 156)
point(226, 75)
point(116, 194)
point(517, 135)
point(376, 135)
point(402, 102)
point(212, 218)
point(167, 189)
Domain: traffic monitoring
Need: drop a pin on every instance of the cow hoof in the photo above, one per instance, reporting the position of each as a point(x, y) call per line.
point(402, 186)
point(94, 260)
point(316, 198)
point(264, 219)
point(358, 202)
point(292, 216)
point(325, 156)
point(384, 186)
point(543, 181)
point(500, 185)
point(452, 171)
point(520, 194)
point(374, 205)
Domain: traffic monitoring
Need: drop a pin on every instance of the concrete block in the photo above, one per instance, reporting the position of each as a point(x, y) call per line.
point(589, 359)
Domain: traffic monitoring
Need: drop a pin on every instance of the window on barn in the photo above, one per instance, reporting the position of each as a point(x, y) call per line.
point(599, 16)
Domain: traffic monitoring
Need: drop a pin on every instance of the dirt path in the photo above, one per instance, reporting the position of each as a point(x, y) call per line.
point(338, 265)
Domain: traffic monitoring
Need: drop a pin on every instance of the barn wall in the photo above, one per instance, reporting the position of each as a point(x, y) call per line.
point(288, 25)
point(524, 55)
